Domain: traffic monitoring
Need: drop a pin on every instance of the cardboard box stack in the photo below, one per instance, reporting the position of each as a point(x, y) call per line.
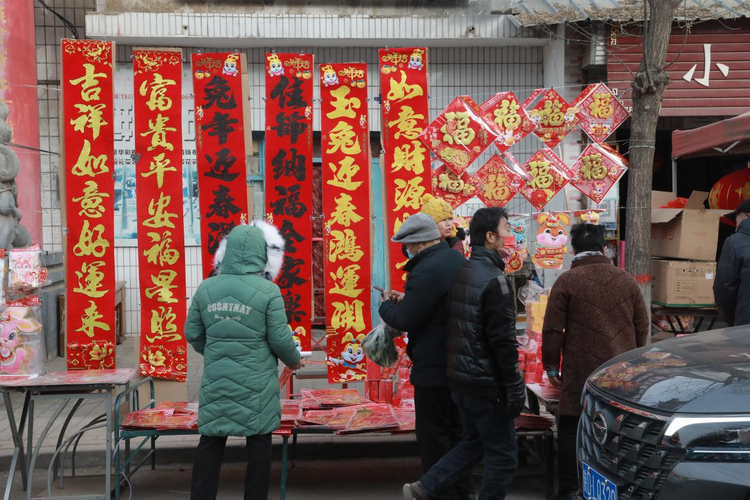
point(683, 244)
point(530, 350)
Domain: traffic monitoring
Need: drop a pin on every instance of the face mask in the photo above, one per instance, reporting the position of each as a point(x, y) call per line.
point(409, 254)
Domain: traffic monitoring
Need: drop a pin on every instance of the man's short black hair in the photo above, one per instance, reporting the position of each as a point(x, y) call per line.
point(485, 219)
point(587, 238)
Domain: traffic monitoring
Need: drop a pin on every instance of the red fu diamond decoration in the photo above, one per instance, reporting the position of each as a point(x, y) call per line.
point(547, 178)
point(496, 182)
point(554, 118)
point(601, 113)
point(459, 134)
point(504, 112)
point(597, 169)
point(454, 189)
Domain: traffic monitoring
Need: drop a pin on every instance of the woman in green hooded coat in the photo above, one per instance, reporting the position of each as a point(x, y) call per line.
point(238, 323)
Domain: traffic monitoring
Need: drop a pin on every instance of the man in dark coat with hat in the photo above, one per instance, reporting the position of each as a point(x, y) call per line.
point(422, 312)
point(732, 285)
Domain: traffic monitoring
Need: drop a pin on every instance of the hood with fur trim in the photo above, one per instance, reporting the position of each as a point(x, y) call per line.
point(257, 248)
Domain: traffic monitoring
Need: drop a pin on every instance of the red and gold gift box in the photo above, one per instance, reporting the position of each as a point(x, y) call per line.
point(88, 170)
point(289, 180)
point(347, 217)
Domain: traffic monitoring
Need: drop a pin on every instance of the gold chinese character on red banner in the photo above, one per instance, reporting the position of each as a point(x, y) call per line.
point(91, 201)
point(157, 92)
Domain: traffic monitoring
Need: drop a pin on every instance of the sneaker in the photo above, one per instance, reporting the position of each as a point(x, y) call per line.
point(414, 491)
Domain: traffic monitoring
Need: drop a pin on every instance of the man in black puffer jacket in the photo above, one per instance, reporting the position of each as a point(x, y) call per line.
point(732, 285)
point(422, 312)
point(483, 373)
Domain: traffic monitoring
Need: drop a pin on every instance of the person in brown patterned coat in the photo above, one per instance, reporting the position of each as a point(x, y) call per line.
point(595, 312)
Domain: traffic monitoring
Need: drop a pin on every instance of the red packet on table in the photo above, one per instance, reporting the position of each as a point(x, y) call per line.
point(182, 421)
point(553, 116)
point(371, 419)
point(506, 114)
point(597, 169)
point(455, 189)
point(497, 183)
point(547, 177)
point(335, 397)
point(179, 406)
point(407, 419)
point(459, 134)
point(601, 113)
point(146, 419)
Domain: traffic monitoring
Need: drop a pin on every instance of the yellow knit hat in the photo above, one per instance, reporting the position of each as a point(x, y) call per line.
point(438, 209)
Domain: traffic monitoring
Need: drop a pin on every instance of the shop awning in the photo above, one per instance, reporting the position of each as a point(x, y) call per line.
point(730, 136)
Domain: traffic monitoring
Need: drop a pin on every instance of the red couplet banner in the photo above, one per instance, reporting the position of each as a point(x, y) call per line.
point(347, 217)
point(406, 113)
point(161, 234)
point(289, 187)
point(220, 139)
point(88, 138)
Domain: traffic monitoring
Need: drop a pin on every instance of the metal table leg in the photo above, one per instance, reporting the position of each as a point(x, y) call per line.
point(108, 460)
point(64, 429)
point(29, 443)
point(284, 470)
point(17, 447)
point(35, 454)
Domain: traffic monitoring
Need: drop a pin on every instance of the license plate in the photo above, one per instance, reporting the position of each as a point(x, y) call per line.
point(596, 486)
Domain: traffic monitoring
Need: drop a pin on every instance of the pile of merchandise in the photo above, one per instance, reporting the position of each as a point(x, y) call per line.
point(391, 385)
point(530, 351)
point(22, 343)
point(166, 416)
point(345, 411)
point(530, 344)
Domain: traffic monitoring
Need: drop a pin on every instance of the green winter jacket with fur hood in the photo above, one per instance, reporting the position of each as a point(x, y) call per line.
point(237, 322)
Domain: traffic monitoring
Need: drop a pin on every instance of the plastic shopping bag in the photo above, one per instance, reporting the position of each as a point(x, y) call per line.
point(380, 347)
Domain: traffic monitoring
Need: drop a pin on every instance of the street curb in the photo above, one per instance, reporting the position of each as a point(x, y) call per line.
point(308, 448)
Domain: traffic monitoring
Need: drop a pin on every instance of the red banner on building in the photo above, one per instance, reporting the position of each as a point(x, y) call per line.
point(220, 139)
point(289, 186)
point(161, 234)
point(406, 113)
point(347, 218)
point(88, 138)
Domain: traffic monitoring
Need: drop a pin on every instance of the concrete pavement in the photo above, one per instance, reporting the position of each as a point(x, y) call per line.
point(361, 479)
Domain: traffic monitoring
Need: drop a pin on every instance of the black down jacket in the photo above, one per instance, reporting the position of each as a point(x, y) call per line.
point(423, 312)
point(482, 347)
point(732, 285)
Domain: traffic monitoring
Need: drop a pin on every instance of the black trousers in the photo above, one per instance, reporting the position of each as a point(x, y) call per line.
point(207, 467)
point(438, 430)
point(567, 427)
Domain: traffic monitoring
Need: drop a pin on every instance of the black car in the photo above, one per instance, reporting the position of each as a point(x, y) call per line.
point(670, 421)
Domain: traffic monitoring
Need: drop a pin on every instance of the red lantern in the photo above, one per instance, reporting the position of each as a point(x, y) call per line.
point(730, 190)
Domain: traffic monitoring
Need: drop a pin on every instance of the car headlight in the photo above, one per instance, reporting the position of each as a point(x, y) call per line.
point(715, 437)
